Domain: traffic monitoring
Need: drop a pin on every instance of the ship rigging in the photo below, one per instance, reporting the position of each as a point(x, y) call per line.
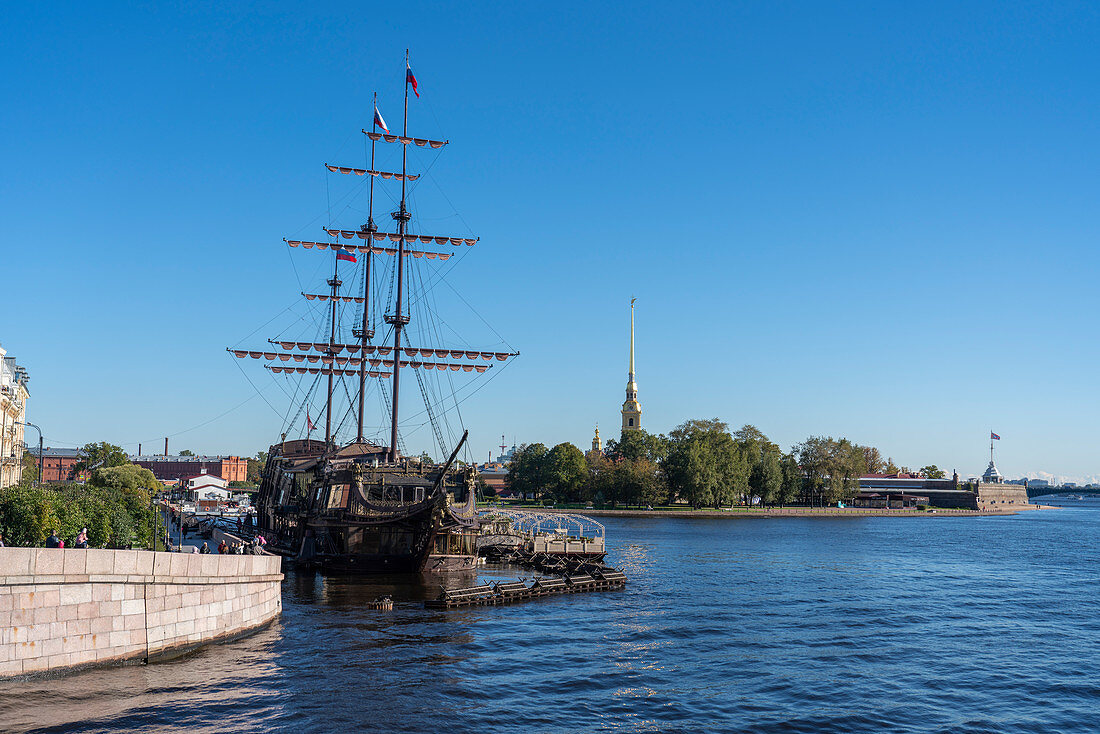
point(364, 506)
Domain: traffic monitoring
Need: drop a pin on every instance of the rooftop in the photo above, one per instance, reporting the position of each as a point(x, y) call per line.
point(65, 453)
point(162, 457)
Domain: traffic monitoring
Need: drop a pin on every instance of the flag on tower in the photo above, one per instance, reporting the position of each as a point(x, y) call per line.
point(343, 254)
point(378, 119)
point(410, 79)
point(993, 436)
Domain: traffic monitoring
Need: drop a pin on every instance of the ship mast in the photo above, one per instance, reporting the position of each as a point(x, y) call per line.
point(398, 319)
point(335, 357)
point(335, 283)
point(366, 334)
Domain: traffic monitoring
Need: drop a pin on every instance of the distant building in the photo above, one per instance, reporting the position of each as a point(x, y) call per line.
point(495, 476)
point(59, 465)
point(597, 445)
point(205, 487)
point(1037, 483)
point(13, 414)
point(164, 468)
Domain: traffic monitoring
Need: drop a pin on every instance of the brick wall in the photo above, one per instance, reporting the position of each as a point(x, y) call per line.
point(71, 608)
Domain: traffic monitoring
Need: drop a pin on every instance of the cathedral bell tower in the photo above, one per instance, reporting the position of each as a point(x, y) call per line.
point(632, 410)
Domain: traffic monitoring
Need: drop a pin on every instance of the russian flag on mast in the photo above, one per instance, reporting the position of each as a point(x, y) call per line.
point(343, 254)
point(993, 436)
point(378, 119)
point(410, 79)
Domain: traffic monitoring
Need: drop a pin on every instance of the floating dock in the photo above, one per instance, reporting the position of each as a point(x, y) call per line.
point(510, 592)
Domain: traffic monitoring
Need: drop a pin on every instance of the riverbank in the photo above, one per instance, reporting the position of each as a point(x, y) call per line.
point(783, 512)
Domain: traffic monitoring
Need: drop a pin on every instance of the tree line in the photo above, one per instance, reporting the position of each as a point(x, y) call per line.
point(700, 463)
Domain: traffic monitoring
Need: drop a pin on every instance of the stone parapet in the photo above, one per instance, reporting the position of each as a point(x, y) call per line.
point(75, 608)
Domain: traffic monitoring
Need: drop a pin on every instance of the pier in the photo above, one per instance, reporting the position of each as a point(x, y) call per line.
point(510, 592)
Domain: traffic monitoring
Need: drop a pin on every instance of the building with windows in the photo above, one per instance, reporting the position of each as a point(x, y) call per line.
point(175, 468)
point(59, 465)
point(13, 414)
point(205, 487)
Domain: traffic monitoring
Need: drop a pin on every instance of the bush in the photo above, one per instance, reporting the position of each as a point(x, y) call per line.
point(115, 517)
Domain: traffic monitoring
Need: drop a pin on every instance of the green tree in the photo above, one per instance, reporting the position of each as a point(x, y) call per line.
point(932, 472)
point(125, 477)
point(633, 445)
point(766, 477)
point(101, 454)
point(187, 452)
point(115, 517)
point(790, 489)
point(705, 466)
point(256, 467)
point(566, 470)
point(831, 468)
point(632, 482)
point(30, 468)
point(872, 457)
point(528, 471)
point(761, 458)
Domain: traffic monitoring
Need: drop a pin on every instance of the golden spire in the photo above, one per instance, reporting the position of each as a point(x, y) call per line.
point(632, 411)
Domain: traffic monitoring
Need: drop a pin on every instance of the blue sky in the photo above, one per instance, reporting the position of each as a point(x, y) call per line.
point(876, 220)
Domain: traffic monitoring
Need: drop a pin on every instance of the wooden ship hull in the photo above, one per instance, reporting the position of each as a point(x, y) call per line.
point(349, 511)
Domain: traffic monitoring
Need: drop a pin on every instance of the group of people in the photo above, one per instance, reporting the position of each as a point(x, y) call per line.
point(55, 541)
point(237, 548)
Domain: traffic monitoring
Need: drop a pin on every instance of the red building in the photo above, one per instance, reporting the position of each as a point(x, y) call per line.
point(169, 468)
point(59, 465)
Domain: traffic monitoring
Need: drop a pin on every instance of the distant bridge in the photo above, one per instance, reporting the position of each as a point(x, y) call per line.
point(1046, 491)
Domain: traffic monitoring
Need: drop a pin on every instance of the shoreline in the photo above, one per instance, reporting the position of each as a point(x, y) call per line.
point(783, 512)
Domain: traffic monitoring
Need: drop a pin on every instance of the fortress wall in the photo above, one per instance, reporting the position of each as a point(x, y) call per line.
point(996, 495)
point(73, 608)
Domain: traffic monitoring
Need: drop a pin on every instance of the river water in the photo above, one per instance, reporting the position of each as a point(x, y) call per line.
point(797, 625)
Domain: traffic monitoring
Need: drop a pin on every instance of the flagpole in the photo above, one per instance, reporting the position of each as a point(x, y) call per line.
point(365, 335)
point(402, 217)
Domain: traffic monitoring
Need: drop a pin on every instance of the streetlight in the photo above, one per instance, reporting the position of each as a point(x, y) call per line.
point(23, 423)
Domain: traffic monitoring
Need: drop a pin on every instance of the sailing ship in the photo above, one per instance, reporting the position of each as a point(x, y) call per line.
point(363, 506)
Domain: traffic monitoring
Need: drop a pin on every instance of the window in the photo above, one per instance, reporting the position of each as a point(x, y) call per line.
point(631, 421)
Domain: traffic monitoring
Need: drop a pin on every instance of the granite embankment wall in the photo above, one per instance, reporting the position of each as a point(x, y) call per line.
point(74, 608)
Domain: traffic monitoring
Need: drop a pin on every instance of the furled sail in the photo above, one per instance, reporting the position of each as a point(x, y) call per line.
point(347, 170)
point(364, 249)
point(384, 350)
point(324, 371)
point(427, 239)
point(326, 296)
point(405, 140)
point(353, 362)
